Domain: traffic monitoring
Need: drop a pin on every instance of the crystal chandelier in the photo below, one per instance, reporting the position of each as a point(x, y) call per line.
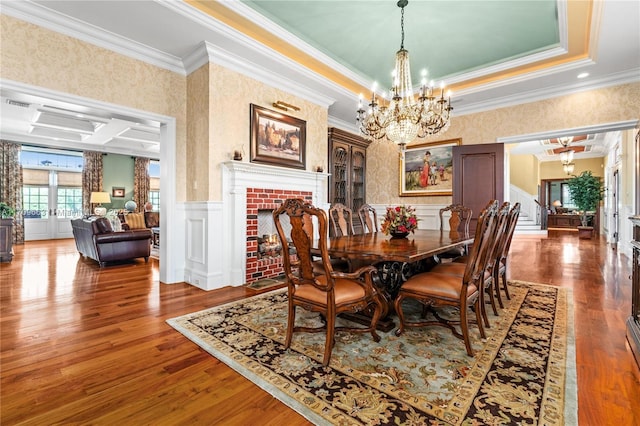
point(566, 156)
point(568, 168)
point(404, 118)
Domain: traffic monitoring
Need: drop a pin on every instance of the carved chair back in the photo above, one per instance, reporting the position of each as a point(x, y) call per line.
point(341, 218)
point(368, 219)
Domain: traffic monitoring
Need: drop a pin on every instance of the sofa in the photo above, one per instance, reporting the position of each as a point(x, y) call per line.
point(96, 239)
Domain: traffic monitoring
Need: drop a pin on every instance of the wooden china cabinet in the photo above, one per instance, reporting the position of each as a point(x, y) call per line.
point(347, 166)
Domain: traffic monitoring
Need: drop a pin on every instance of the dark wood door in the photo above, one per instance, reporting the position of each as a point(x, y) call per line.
point(478, 176)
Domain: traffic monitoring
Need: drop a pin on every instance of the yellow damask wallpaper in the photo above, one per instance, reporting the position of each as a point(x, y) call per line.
point(198, 112)
point(229, 129)
point(607, 105)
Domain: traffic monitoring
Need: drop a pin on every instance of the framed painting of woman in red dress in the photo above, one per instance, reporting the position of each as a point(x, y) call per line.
point(427, 168)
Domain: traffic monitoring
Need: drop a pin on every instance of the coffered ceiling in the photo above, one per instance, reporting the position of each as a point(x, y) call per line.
point(490, 53)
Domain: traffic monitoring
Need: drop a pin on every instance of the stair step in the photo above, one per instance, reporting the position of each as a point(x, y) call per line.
point(536, 231)
point(526, 225)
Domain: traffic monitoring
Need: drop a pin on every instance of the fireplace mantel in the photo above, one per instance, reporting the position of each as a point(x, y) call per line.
point(237, 176)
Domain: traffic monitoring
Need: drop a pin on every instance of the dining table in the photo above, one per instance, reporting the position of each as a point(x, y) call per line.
point(396, 259)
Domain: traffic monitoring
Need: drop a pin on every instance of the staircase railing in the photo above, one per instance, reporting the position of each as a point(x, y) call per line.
point(542, 212)
point(528, 204)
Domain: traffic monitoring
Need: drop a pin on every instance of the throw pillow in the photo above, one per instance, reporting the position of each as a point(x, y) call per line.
point(103, 225)
point(135, 220)
point(152, 219)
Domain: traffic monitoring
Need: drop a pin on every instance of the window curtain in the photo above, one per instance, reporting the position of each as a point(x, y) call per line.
point(141, 182)
point(91, 178)
point(11, 185)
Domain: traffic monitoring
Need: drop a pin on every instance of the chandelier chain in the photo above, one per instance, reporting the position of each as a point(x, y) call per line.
point(402, 28)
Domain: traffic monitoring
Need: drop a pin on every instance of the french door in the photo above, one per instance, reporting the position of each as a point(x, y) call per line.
point(48, 209)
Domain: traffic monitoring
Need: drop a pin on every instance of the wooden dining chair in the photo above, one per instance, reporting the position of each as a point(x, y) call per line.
point(435, 290)
point(459, 220)
point(489, 284)
point(329, 293)
point(368, 219)
point(341, 218)
point(500, 269)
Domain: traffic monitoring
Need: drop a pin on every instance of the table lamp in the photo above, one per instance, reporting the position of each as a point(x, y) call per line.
point(99, 198)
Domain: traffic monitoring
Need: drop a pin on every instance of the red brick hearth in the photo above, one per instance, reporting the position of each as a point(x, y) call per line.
point(264, 199)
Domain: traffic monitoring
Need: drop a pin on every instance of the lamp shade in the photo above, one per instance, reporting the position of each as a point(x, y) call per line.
point(557, 203)
point(100, 197)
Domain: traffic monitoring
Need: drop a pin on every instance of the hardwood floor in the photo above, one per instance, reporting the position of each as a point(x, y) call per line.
point(81, 345)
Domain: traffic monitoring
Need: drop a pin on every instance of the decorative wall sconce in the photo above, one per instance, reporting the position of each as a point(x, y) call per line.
point(284, 106)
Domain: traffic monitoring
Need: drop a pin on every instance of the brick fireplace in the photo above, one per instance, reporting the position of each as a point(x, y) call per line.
point(250, 188)
point(260, 199)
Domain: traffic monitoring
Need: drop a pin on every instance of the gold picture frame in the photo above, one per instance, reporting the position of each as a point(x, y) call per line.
point(418, 180)
point(277, 139)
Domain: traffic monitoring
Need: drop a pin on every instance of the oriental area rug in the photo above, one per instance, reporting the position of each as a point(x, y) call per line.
point(523, 372)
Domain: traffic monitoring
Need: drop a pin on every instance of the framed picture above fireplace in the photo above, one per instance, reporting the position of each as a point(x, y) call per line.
point(277, 139)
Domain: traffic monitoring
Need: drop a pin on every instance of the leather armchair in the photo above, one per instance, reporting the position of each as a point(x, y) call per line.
point(96, 239)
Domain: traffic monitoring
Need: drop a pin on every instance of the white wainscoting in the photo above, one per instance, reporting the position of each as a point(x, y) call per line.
point(204, 245)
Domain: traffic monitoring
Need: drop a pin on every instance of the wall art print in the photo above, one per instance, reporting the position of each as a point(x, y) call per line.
point(427, 169)
point(277, 139)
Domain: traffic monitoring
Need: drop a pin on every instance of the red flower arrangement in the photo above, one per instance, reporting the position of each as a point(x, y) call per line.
point(399, 219)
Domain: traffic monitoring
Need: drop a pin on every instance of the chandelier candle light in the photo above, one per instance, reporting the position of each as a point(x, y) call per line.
point(404, 118)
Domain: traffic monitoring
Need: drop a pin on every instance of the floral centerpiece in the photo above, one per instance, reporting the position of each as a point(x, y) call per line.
point(399, 221)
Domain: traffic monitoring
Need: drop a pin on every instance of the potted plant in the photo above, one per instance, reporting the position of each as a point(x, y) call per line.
point(6, 235)
point(6, 211)
point(586, 192)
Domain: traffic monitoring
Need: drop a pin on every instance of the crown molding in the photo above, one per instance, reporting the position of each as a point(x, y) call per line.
point(275, 29)
point(213, 52)
point(597, 128)
point(209, 52)
point(505, 66)
point(562, 49)
point(43, 17)
point(526, 77)
point(630, 76)
point(343, 125)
